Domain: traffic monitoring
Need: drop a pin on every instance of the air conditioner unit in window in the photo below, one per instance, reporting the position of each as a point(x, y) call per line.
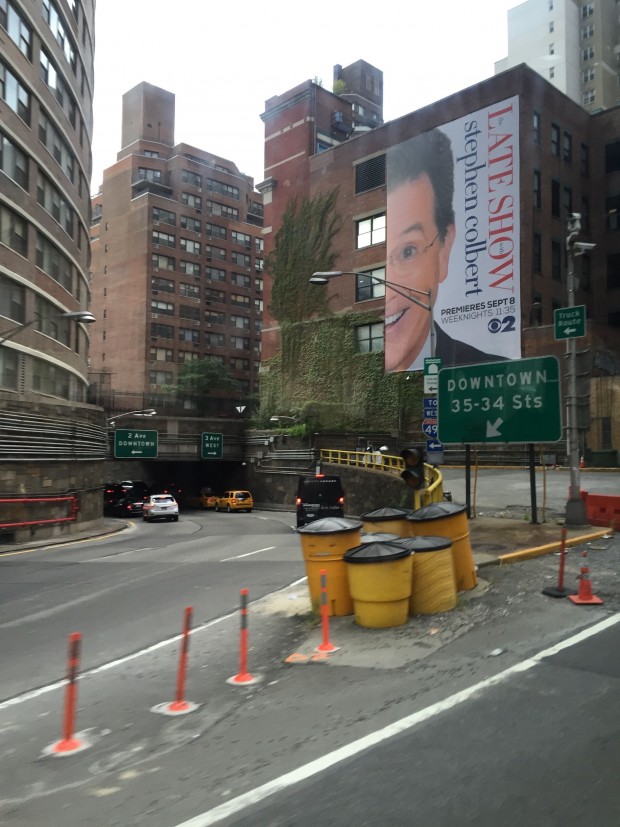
point(155, 316)
point(156, 223)
point(155, 244)
point(198, 209)
point(156, 269)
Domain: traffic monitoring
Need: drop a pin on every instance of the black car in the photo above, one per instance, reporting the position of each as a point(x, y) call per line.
point(130, 507)
point(317, 497)
point(117, 496)
point(113, 493)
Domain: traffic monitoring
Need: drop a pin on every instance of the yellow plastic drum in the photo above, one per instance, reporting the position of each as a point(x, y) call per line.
point(390, 520)
point(432, 575)
point(380, 584)
point(449, 520)
point(323, 544)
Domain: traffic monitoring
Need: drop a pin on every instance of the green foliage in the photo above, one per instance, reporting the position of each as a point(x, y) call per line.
point(330, 386)
point(199, 378)
point(303, 245)
point(339, 86)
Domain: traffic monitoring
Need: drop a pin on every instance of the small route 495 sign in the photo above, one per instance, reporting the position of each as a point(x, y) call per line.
point(129, 444)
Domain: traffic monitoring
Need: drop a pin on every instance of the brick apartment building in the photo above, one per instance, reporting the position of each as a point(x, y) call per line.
point(569, 161)
point(177, 261)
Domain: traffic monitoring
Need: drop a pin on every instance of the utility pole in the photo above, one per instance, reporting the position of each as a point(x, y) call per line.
point(576, 514)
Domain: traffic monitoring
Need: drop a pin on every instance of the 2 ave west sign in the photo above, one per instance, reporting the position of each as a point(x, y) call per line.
point(513, 401)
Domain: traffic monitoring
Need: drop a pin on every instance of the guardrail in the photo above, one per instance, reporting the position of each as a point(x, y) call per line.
point(388, 464)
point(35, 511)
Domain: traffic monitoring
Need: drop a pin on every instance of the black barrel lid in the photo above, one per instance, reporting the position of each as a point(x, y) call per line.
point(330, 525)
point(375, 553)
point(423, 543)
point(435, 511)
point(378, 537)
point(387, 513)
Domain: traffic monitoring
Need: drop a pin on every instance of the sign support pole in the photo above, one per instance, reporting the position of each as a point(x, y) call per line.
point(532, 464)
point(468, 480)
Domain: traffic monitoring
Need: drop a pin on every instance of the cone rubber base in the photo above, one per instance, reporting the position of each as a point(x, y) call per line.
point(326, 648)
point(175, 708)
point(594, 600)
point(244, 679)
point(67, 746)
point(555, 591)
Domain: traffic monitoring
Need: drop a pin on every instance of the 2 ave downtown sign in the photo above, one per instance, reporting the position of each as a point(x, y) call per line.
point(514, 401)
point(129, 444)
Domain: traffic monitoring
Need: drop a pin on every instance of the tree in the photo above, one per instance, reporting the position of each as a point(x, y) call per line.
point(200, 377)
point(303, 245)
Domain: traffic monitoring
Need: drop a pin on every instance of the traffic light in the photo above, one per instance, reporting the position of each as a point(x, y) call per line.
point(413, 475)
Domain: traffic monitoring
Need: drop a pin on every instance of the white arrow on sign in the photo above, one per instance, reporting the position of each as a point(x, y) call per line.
point(570, 330)
point(493, 429)
point(433, 445)
point(136, 452)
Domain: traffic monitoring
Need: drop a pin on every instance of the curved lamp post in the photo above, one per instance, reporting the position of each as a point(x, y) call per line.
point(111, 421)
point(325, 277)
point(83, 316)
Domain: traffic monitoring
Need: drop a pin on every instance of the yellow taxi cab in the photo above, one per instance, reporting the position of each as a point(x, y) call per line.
point(208, 499)
point(235, 501)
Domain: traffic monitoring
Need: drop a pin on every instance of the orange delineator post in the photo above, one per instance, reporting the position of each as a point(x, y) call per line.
point(180, 704)
point(560, 590)
point(325, 646)
point(243, 677)
point(69, 743)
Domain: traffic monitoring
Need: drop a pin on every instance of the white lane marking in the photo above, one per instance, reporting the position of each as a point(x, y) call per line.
point(44, 690)
point(289, 779)
point(249, 554)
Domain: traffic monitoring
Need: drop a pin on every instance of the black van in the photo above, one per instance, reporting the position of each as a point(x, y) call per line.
point(319, 497)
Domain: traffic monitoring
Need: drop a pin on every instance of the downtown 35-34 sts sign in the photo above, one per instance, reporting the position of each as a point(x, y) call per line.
point(513, 401)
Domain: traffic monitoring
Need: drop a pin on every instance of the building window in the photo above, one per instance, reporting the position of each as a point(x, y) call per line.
point(161, 377)
point(241, 280)
point(225, 211)
point(239, 342)
point(587, 31)
point(586, 10)
point(240, 301)
point(58, 29)
point(193, 224)
point(215, 317)
point(584, 159)
point(190, 200)
point(259, 244)
point(606, 435)
point(160, 262)
point(56, 145)
point(555, 198)
point(551, 49)
point(369, 337)
point(13, 231)
point(259, 264)
point(165, 285)
point(13, 162)
point(215, 339)
point(237, 363)
point(165, 308)
point(537, 253)
point(537, 189)
point(217, 253)
point(567, 199)
point(164, 216)
point(241, 259)
point(222, 189)
point(567, 148)
point(164, 331)
point(8, 368)
point(148, 174)
point(370, 174)
point(537, 126)
point(242, 322)
point(150, 153)
point(191, 178)
point(552, 72)
point(367, 288)
point(215, 274)
point(190, 290)
point(189, 246)
point(54, 263)
point(588, 74)
point(555, 139)
point(187, 356)
point(370, 231)
point(49, 197)
point(14, 94)
point(189, 268)
point(551, 27)
point(162, 354)
point(52, 77)
point(187, 311)
point(217, 296)
point(612, 212)
point(556, 261)
point(215, 231)
point(587, 53)
point(189, 334)
point(241, 238)
point(12, 301)
point(589, 96)
point(16, 27)
point(164, 239)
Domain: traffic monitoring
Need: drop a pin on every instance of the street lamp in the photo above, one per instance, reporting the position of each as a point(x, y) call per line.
point(146, 412)
point(325, 277)
point(576, 513)
point(82, 316)
point(280, 418)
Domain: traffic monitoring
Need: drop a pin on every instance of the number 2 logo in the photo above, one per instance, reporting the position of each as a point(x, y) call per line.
point(505, 325)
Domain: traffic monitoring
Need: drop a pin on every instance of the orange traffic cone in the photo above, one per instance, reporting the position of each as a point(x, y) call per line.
point(582, 463)
point(585, 587)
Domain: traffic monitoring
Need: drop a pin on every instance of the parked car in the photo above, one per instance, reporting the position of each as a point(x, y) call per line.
point(317, 497)
point(235, 501)
point(160, 506)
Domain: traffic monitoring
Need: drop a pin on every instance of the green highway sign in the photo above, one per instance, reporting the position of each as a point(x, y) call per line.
point(569, 322)
point(513, 401)
point(211, 445)
point(129, 444)
point(432, 366)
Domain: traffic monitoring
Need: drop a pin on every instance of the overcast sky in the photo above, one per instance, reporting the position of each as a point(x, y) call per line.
point(223, 61)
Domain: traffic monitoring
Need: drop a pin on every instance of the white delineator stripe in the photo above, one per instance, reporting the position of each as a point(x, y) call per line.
point(289, 779)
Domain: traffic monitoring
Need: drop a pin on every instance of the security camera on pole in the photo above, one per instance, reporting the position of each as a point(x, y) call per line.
point(576, 514)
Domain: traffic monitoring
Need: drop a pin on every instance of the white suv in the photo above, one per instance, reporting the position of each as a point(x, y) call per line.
point(162, 506)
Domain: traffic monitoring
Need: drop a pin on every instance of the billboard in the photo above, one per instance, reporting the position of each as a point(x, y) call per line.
point(453, 222)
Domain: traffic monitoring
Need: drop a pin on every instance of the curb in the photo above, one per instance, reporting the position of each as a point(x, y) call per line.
point(549, 548)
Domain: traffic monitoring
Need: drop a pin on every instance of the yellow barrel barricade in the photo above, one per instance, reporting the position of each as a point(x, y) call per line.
point(446, 519)
point(388, 519)
point(432, 575)
point(323, 544)
point(380, 584)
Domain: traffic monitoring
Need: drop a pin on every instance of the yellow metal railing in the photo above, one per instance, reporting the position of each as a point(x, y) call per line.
point(432, 491)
